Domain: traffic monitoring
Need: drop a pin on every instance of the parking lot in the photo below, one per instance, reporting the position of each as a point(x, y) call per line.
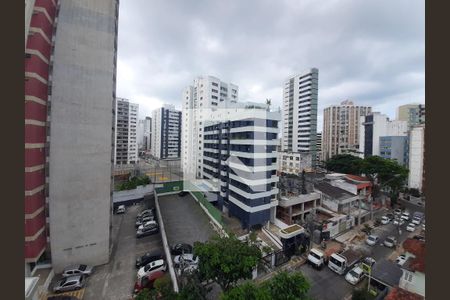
point(115, 280)
point(184, 220)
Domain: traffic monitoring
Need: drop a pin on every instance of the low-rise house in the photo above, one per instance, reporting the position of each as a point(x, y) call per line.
point(401, 294)
point(413, 279)
point(294, 208)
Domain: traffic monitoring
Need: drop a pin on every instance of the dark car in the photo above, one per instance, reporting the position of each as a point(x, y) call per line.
point(181, 248)
point(148, 230)
point(150, 211)
point(148, 258)
point(183, 193)
point(390, 216)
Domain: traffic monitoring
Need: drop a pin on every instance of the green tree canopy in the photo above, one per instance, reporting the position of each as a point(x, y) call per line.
point(226, 260)
point(246, 291)
point(345, 163)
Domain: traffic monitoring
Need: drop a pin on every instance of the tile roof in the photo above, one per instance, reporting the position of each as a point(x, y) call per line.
point(417, 248)
point(333, 191)
point(401, 294)
point(387, 272)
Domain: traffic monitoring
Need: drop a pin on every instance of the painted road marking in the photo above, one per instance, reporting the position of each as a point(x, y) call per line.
point(78, 293)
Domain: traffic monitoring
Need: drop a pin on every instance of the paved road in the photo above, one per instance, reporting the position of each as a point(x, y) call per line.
point(115, 280)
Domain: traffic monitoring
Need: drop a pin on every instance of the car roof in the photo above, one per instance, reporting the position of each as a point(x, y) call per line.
point(158, 262)
point(72, 267)
point(357, 270)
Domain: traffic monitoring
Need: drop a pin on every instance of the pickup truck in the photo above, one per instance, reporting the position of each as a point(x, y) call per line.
point(342, 262)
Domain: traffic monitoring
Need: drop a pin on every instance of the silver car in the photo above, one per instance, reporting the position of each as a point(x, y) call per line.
point(69, 284)
point(77, 270)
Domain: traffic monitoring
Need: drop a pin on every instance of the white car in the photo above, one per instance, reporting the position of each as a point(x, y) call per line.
point(397, 211)
point(372, 240)
point(405, 216)
point(146, 224)
point(355, 275)
point(423, 226)
point(157, 265)
point(411, 227)
point(416, 220)
point(400, 260)
point(399, 222)
point(390, 242)
point(187, 258)
point(385, 220)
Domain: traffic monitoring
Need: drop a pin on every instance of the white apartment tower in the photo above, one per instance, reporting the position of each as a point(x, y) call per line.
point(300, 98)
point(126, 147)
point(416, 157)
point(341, 128)
point(206, 93)
point(166, 132)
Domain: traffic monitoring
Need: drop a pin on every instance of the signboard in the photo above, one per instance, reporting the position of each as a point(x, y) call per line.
point(366, 268)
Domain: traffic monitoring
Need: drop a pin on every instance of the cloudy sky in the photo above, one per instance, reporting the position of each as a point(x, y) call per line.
point(371, 51)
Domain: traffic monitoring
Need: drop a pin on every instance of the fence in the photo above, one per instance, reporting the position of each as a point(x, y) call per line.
point(170, 187)
point(214, 212)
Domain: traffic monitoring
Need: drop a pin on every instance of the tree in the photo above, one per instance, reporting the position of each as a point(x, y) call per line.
point(288, 286)
point(192, 288)
point(246, 291)
point(361, 294)
point(344, 163)
point(283, 286)
point(226, 260)
point(144, 294)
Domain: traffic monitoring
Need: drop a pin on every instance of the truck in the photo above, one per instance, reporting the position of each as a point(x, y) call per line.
point(344, 261)
point(318, 258)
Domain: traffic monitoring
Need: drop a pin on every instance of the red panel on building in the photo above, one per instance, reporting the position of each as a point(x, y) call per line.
point(35, 111)
point(34, 179)
point(32, 226)
point(33, 248)
point(34, 157)
point(34, 87)
point(35, 134)
point(33, 203)
point(37, 42)
point(48, 5)
point(39, 20)
point(34, 64)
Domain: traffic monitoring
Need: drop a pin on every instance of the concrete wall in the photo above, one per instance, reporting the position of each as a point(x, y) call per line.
point(81, 135)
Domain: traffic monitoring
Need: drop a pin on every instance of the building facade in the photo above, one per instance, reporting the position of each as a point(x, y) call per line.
point(341, 128)
point(300, 97)
point(207, 92)
point(374, 126)
point(416, 157)
point(240, 156)
point(395, 148)
point(126, 145)
point(294, 162)
point(147, 133)
point(413, 114)
point(80, 131)
point(166, 133)
point(319, 148)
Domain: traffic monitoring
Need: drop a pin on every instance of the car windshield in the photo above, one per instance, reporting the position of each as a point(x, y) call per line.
point(354, 274)
point(335, 261)
point(82, 267)
point(63, 281)
point(372, 238)
point(389, 240)
point(314, 255)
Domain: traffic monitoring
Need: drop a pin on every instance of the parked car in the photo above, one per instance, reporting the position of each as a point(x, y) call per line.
point(423, 226)
point(405, 216)
point(183, 193)
point(143, 220)
point(187, 258)
point(180, 249)
point(120, 209)
point(411, 227)
point(399, 221)
point(71, 283)
point(400, 260)
point(355, 275)
point(154, 266)
point(390, 216)
point(419, 238)
point(370, 261)
point(385, 220)
point(397, 211)
point(77, 270)
point(146, 224)
point(149, 230)
point(417, 220)
point(148, 258)
point(390, 242)
point(147, 281)
point(372, 240)
point(150, 211)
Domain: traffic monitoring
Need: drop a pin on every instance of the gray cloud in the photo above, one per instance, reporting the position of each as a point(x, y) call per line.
point(369, 51)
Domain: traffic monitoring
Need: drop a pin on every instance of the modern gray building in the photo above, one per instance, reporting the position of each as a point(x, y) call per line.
point(395, 148)
point(166, 132)
point(126, 144)
point(300, 96)
point(81, 132)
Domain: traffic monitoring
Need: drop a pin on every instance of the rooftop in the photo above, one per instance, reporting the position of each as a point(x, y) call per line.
point(334, 192)
point(387, 272)
point(417, 248)
point(401, 294)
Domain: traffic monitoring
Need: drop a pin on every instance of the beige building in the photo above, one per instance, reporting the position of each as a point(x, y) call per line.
point(341, 128)
point(414, 114)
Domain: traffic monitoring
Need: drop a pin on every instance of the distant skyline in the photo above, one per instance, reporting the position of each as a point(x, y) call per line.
point(370, 52)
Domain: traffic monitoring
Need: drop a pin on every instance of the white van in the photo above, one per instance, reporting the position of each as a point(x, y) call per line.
point(120, 209)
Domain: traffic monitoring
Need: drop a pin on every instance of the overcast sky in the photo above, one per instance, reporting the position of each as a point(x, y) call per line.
point(371, 51)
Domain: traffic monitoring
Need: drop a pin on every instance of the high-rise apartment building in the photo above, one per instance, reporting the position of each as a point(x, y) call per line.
point(416, 157)
point(341, 126)
point(414, 114)
point(319, 147)
point(395, 148)
point(166, 132)
point(126, 145)
point(240, 155)
point(206, 93)
point(376, 125)
point(300, 98)
point(147, 133)
point(70, 80)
